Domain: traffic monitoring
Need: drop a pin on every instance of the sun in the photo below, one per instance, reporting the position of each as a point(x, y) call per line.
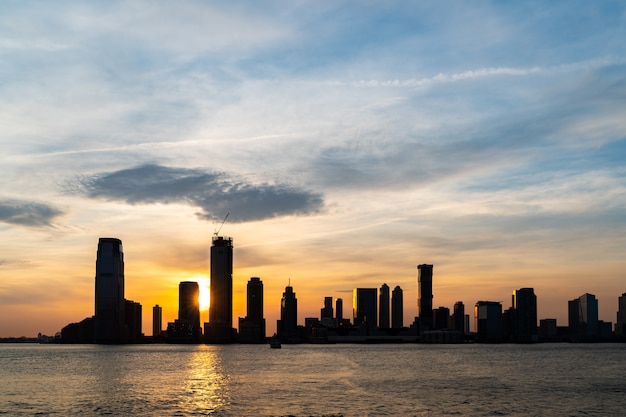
point(205, 292)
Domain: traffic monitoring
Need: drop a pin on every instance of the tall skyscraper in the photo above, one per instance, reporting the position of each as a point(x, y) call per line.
point(252, 329)
point(383, 307)
point(425, 296)
point(157, 321)
point(109, 295)
point(441, 318)
point(397, 314)
point(219, 329)
point(488, 321)
point(364, 306)
point(189, 302)
point(339, 310)
point(458, 317)
point(327, 311)
point(288, 324)
point(524, 303)
point(583, 317)
point(620, 326)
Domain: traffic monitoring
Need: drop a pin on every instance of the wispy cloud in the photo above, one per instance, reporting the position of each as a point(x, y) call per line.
point(215, 193)
point(27, 213)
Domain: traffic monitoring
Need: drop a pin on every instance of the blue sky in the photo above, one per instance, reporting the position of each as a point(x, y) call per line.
point(348, 141)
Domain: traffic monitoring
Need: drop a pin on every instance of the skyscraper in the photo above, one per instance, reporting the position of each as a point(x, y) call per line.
point(425, 296)
point(383, 307)
point(288, 323)
point(157, 321)
point(397, 315)
point(524, 303)
point(252, 328)
point(364, 306)
point(488, 321)
point(339, 310)
point(219, 329)
point(458, 317)
point(620, 326)
point(109, 294)
point(327, 311)
point(189, 303)
point(583, 317)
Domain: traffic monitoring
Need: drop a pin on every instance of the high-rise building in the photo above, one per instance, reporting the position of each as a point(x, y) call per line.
point(109, 295)
point(383, 307)
point(397, 314)
point(219, 329)
point(157, 321)
point(583, 317)
point(132, 321)
point(524, 303)
point(252, 328)
point(458, 317)
point(327, 311)
point(288, 323)
point(620, 326)
point(488, 321)
point(339, 310)
point(189, 303)
point(441, 318)
point(364, 306)
point(425, 296)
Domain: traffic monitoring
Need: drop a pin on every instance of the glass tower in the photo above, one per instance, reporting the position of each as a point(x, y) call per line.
point(109, 297)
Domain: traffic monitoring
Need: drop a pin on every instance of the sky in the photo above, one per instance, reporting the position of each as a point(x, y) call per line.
point(347, 141)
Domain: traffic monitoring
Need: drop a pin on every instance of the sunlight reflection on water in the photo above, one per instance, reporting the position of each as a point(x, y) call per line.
point(207, 383)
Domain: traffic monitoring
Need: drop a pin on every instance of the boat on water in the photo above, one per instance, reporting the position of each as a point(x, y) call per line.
point(275, 343)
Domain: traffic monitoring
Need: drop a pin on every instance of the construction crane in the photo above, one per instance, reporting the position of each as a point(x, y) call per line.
point(220, 228)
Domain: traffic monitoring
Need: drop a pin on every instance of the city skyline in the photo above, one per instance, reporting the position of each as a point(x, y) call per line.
point(348, 142)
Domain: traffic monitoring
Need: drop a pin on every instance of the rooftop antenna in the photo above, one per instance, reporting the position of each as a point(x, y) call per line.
point(220, 228)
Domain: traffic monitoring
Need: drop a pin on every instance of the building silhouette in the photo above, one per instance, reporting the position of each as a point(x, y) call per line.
point(219, 329)
point(397, 306)
point(488, 321)
point(524, 316)
point(425, 296)
point(327, 312)
point(620, 325)
point(458, 317)
point(441, 318)
point(383, 307)
point(364, 306)
point(252, 328)
point(157, 321)
point(109, 316)
point(288, 324)
point(186, 328)
point(583, 317)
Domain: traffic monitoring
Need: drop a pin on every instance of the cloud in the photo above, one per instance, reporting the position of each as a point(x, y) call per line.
point(27, 213)
point(215, 193)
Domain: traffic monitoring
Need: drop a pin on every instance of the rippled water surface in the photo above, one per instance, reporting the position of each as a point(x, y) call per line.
point(314, 380)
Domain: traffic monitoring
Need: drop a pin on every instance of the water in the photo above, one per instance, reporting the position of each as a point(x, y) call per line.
point(314, 380)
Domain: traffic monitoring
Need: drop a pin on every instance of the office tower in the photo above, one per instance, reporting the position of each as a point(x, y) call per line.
point(327, 311)
point(441, 318)
point(524, 320)
point(339, 310)
point(132, 321)
point(288, 323)
point(219, 329)
point(364, 306)
point(425, 296)
point(383, 307)
point(397, 306)
point(620, 326)
point(488, 321)
point(458, 317)
point(583, 317)
point(189, 304)
point(109, 294)
point(157, 321)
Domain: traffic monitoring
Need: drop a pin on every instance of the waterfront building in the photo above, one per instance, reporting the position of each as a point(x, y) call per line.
point(364, 306)
point(186, 328)
point(583, 317)
point(425, 296)
point(109, 292)
point(458, 317)
point(327, 311)
point(288, 323)
point(157, 321)
point(524, 316)
point(383, 307)
point(620, 326)
point(488, 321)
point(339, 310)
point(132, 321)
point(252, 328)
point(219, 329)
point(397, 314)
point(441, 318)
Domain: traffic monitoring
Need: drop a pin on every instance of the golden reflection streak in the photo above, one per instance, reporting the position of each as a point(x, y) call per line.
point(207, 385)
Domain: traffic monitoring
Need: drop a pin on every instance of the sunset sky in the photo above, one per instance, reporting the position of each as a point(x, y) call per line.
point(349, 141)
